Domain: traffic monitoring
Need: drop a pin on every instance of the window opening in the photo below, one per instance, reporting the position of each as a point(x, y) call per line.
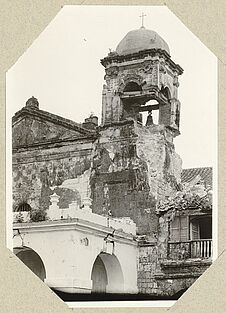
point(179, 229)
point(200, 227)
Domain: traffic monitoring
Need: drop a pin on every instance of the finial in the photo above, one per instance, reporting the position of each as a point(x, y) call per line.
point(142, 19)
point(32, 102)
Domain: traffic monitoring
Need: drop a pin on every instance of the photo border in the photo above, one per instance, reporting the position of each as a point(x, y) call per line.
point(19, 289)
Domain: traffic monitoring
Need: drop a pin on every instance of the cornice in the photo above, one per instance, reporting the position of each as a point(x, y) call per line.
point(56, 119)
point(77, 225)
point(118, 59)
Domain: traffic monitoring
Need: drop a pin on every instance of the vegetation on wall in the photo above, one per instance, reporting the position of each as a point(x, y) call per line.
point(186, 199)
point(38, 215)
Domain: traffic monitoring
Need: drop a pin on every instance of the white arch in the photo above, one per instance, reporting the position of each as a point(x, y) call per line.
point(115, 280)
point(32, 260)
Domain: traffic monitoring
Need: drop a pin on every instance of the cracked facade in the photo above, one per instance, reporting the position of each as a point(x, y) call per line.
point(126, 165)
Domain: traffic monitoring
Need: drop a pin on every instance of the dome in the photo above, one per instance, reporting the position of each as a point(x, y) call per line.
point(141, 39)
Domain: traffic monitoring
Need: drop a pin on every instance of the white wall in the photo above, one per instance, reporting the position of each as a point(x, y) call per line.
point(69, 261)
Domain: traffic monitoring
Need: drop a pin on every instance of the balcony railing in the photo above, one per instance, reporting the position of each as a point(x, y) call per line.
point(200, 248)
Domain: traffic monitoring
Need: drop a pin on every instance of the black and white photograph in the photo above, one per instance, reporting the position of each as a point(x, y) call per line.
point(112, 156)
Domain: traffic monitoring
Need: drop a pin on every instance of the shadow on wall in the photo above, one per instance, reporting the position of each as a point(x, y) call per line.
point(33, 261)
point(107, 275)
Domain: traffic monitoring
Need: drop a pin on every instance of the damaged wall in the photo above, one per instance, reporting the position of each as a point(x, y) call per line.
point(30, 131)
point(161, 275)
point(133, 167)
point(63, 169)
point(155, 147)
point(119, 179)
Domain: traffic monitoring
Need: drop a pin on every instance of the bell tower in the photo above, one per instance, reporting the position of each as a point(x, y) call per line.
point(134, 163)
point(141, 77)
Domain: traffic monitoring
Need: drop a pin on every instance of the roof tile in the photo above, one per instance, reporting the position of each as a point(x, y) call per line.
point(206, 174)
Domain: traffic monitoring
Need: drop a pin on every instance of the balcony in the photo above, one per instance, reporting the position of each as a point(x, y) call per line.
point(192, 249)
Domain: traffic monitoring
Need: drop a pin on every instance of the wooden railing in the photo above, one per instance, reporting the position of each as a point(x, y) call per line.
point(200, 248)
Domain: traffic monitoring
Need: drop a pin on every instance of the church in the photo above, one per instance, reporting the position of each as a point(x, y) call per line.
point(105, 207)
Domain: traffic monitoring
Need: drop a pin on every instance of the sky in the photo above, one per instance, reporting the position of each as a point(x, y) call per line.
point(62, 70)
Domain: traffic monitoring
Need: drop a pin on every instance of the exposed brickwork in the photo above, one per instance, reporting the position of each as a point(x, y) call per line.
point(129, 172)
point(148, 256)
point(30, 131)
point(39, 173)
point(159, 273)
point(157, 277)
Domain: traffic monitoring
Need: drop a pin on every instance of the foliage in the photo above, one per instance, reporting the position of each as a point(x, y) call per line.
point(38, 215)
point(185, 200)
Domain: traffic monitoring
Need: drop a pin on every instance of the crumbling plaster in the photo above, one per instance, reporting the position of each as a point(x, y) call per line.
point(39, 173)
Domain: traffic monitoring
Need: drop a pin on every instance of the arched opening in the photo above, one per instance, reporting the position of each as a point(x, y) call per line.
point(132, 87)
point(150, 113)
point(23, 207)
point(99, 276)
point(147, 107)
point(177, 119)
point(166, 92)
point(33, 261)
point(107, 274)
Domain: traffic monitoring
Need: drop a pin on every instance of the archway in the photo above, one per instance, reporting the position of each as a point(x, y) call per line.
point(33, 261)
point(132, 87)
point(107, 274)
point(166, 92)
point(150, 113)
point(23, 207)
point(99, 276)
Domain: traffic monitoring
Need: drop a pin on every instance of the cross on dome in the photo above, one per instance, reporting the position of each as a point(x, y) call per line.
point(142, 19)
